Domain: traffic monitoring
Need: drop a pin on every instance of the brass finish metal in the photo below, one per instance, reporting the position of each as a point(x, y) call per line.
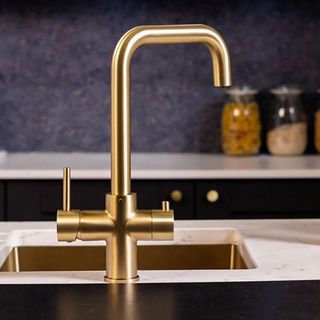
point(120, 84)
point(66, 189)
point(153, 257)
point(212, 196)
point(165, 205)
point(121, 224)
point(176, 195)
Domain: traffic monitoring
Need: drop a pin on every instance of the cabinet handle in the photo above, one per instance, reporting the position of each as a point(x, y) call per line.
point(212, 196)
point(176, 195)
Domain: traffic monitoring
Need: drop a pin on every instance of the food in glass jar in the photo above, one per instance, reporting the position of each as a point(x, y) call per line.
point(241, 128)
point(288, 139)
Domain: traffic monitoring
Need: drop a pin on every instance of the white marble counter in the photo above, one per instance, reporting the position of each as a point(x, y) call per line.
point(281, 250)
point(159, 166)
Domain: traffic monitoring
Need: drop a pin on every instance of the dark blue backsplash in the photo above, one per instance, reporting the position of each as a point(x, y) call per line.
point(55, 69)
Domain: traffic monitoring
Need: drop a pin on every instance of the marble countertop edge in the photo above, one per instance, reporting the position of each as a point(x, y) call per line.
point(49, 165)
point(280, 250)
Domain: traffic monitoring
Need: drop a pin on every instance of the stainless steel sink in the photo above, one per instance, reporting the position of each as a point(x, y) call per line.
point(150, 257)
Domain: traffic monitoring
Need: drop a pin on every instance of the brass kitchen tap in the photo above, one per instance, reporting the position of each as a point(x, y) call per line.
point(121, 224)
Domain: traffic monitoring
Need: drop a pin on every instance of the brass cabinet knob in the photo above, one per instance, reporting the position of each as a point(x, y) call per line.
point(176, 195)
point(212, 196)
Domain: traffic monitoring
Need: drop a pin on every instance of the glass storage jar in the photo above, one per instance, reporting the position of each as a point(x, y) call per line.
point(287, 134)
point(317, 127)
point(241, 125)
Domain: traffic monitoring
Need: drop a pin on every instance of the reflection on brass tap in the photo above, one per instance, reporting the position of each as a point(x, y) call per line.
point(121, 224)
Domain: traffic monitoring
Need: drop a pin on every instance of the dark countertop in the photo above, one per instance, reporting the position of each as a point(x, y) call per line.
point(238, 300)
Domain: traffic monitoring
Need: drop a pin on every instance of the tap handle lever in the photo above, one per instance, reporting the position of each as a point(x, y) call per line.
point(66, 188)
point(165, 205)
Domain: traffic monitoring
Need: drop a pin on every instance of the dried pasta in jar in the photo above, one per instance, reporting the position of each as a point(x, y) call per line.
point(241, 127)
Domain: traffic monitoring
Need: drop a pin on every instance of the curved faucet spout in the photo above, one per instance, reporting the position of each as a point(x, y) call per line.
point(120, 85)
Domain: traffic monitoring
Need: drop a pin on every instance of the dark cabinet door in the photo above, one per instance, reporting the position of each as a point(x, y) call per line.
point(40, 200)
point(2, 202)
point(32, 200)
point(89, 194)
point(203, 199)
point(276, 198)
point(180, 194)
point(147, 194)
point(212, 200)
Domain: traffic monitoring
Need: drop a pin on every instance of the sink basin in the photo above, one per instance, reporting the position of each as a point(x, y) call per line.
point(150, 257)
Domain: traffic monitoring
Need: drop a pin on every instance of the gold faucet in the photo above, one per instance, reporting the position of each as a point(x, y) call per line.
point(121, 224)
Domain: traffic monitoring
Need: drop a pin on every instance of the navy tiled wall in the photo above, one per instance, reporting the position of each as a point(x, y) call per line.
point(55, 64)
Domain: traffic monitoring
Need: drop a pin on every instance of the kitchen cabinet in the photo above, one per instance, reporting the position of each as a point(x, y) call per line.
point(258, 199)
point(26, 200)
point(2, 202)
point(180, 194)
point(217, 208)
point(39, 200)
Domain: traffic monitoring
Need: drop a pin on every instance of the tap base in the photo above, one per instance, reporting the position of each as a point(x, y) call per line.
point(111, 280)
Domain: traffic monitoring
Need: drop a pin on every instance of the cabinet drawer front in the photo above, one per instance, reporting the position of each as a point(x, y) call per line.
point(26, 198)
point(180, 194)
point(40, 200)
point(256, 199)
point(147, 194)
point(275, 198)
point(213, 200)
point(2, 202)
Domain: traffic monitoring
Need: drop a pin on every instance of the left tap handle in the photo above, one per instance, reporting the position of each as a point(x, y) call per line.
point(66, 188)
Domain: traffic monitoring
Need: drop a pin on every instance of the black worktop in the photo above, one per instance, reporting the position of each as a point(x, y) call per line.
point(238, 300)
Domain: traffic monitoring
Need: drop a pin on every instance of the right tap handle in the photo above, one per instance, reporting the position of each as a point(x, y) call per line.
point(66, 188)
point(165, 205)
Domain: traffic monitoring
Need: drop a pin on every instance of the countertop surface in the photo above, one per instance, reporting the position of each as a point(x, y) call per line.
point(279, 250)
point(284, 252)
point(159, 166)
point(281, 300)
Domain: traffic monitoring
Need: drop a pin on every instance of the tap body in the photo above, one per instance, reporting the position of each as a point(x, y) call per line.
point(121, 224)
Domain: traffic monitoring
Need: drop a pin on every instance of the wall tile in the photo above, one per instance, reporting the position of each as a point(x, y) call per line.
point(55, 69)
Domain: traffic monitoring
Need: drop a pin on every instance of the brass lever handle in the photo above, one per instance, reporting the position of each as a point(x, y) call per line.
point(165, 206)
point(66, 188)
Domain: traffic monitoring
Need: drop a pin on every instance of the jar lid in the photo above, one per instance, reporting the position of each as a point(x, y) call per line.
point(286, 89)
point(241, 91)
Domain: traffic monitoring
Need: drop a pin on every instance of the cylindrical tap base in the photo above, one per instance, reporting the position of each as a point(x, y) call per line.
point(121, 247)
point(121, 259)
